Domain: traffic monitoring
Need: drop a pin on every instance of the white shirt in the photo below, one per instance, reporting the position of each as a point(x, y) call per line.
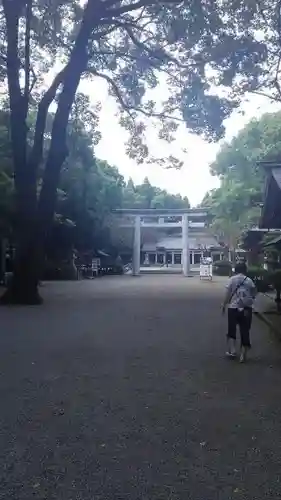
point(242, 291)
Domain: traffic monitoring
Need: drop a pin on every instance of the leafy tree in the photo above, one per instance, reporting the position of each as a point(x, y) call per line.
point(147, 196)
point(261, 20)
point(146, 191)
point(236, 203)
point(130, 198)
point(166, 200)
point(91, 191)
point(127, 44)
point(88, 191)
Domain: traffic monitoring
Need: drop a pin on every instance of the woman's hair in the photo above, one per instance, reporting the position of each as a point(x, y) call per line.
point(241, 268)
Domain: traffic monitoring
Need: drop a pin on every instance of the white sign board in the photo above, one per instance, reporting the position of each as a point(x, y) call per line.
point(95, 266)
point(206, 271)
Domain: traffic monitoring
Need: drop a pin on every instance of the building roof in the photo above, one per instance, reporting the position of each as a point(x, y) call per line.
point(196, 242)
point(274, 241)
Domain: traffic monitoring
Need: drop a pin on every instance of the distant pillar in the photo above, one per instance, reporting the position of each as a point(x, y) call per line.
point(137, 244)
point(185, 246)
point(173, 258)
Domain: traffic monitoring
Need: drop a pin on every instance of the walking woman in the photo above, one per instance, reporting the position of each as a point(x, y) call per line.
point(239, 299)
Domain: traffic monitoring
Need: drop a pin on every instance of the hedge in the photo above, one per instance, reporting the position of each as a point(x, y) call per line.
point(261, 278)
point(222, 268)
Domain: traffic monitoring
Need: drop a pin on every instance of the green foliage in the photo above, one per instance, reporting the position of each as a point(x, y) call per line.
point(89, 190)
point(261, 278)
point(275, 279)
point(236, 203)
point(147, 196)
point(222, 268)
point(131, 43)
point(264, 280)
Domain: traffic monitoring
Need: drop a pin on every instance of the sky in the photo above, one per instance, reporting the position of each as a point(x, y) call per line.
point(193, 179)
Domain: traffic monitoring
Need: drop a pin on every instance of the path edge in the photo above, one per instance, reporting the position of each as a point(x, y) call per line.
point(263, 317)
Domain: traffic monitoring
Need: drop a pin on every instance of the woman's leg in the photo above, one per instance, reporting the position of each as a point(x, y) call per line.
point(245, 323)
point(231, 333)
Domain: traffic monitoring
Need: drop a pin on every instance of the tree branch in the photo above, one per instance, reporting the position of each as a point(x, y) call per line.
point(58, 148)
point(34, 79)
point(130, 57)
point(12, 58)
point(26, 92)
point(127, 8)
point(17, 108)
point(100, 34)
point(153, 52)
point(43, 108)
point(115, 88)
point(278, 14)
point(276, 79)
point(263, 15)
point(264, 94)
point(138, 5)
point(130, 109)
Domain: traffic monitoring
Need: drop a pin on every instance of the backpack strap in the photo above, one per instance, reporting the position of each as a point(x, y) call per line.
point(236, 289)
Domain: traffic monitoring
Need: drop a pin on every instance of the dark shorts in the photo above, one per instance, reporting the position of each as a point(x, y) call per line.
point(243, 319)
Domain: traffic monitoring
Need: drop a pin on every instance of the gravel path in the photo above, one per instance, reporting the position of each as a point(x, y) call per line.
point(117, 389)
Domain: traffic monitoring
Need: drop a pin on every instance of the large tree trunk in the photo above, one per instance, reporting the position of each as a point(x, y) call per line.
point(35, 218)
point(25, 175)
point(35, 223)
point(23, 287)
point(2, 259)
point(29, 257)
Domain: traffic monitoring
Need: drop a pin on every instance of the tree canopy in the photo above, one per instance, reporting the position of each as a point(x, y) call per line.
point(147, 196)
point(236, 203)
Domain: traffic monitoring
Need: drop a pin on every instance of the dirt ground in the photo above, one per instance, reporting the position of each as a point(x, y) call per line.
point(118, 388)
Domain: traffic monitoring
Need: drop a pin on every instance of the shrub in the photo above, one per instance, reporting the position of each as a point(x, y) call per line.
point(112, 269)
point(261, 278)
point(222, 268)
point(275, 279)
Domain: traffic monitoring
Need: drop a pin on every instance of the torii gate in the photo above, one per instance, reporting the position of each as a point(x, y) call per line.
point(160, 218)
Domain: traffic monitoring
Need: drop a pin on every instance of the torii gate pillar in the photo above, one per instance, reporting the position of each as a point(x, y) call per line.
point(185, 246)
point(137, 245)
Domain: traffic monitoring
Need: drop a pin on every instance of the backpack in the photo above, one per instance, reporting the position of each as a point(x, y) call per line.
point(242, 294)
